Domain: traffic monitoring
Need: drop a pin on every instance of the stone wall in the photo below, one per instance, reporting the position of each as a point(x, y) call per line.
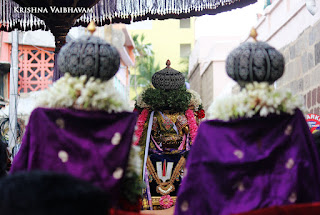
point(203, 84)
point(302, 72)
point(195, 80)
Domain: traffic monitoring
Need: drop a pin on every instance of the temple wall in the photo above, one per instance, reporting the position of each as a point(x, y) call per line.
point(195, 80)
point(207, 86)
point(302, 71)
point(288, 26)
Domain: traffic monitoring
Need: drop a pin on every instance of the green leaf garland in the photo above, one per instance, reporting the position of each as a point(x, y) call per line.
point(172, 100)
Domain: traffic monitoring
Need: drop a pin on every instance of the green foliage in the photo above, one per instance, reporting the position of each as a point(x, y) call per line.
point(131, 188)
point(172, 100)
point(136, 107)
point(141, 48)
point(145, 65)
point(185, 63)
point(146, 68)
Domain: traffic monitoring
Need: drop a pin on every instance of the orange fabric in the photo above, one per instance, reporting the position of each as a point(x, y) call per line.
point(297, 209)
point(35, 68)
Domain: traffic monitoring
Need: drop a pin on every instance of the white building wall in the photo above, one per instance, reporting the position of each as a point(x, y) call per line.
point(284, 21)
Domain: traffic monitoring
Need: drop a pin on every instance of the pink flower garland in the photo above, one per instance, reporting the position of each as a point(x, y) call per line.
point(166, 201)
point(143, 118)
point(192, 124)
point(140, 124)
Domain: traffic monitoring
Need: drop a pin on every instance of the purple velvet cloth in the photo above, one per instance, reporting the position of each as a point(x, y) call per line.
point(246, 164)
point(86, 138)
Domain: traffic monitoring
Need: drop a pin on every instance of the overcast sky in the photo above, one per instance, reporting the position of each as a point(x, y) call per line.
point(233, 23)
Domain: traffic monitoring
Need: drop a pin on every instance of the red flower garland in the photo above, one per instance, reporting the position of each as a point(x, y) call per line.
point(140, 124)
point(192, 124)
point(200, 114)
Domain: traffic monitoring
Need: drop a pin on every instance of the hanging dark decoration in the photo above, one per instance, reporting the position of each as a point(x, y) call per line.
point(42, 14)
point(107, 11)
point(18, 14)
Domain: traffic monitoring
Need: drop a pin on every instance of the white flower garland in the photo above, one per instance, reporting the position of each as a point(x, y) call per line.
point(135, 162)
point(76, 92)
point(256, 98)
point(141, 103)
point(195, 99)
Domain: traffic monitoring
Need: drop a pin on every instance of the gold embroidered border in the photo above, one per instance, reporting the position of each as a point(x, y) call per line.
point(155, 200)
point(152, 171)
point(165, 185)
point(175, 173)
point(177, 169)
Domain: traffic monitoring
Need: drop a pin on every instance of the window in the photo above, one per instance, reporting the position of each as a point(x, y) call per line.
point(36, 69)
point(185, 50)
point(185, 23)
